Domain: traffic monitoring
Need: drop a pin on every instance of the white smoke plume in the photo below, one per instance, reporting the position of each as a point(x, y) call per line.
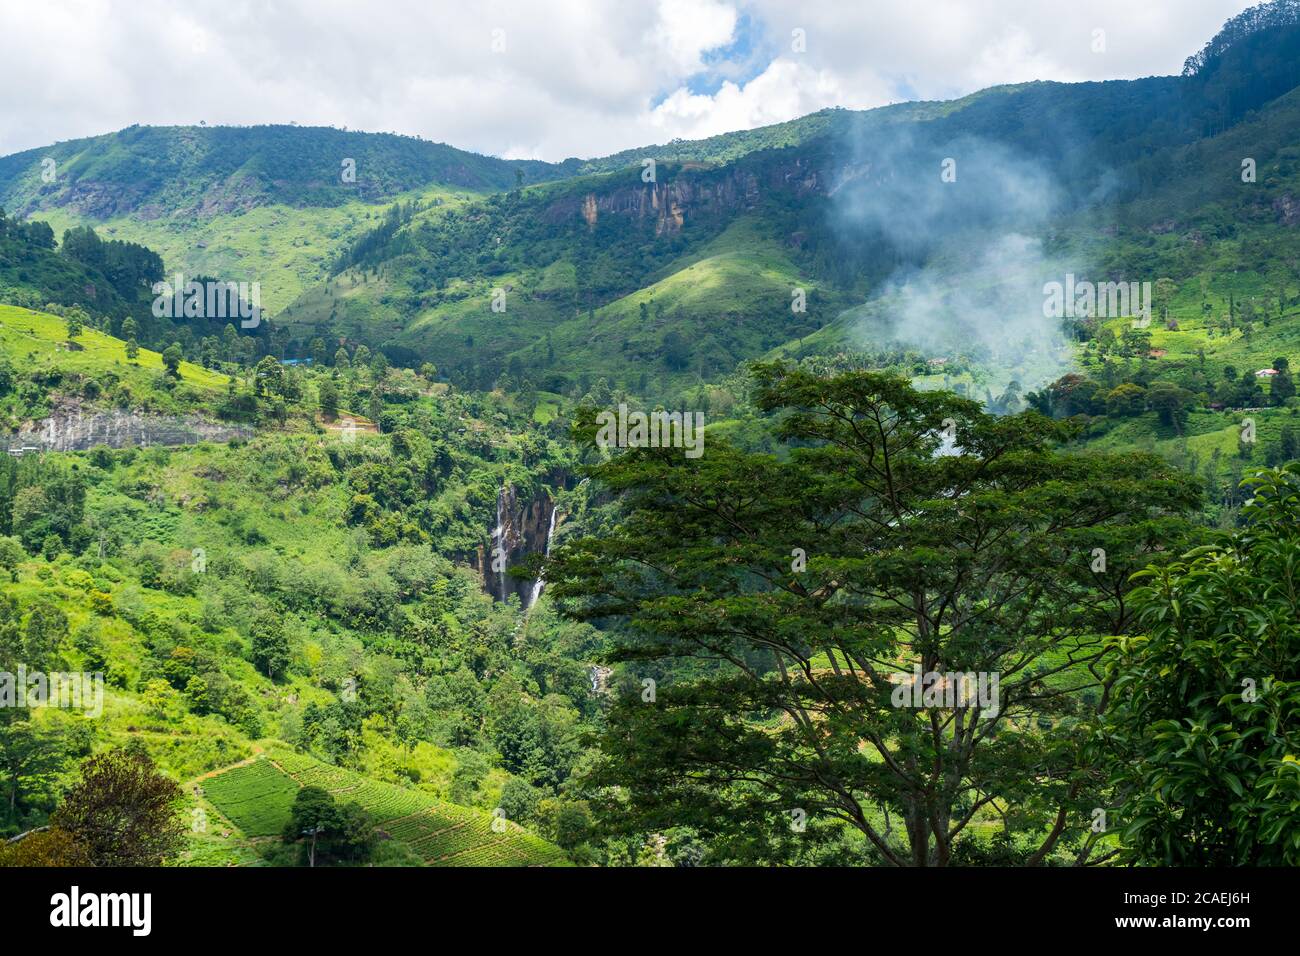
point(967, 218)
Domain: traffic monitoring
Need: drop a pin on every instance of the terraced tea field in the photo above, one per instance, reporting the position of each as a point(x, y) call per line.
point(257, 797)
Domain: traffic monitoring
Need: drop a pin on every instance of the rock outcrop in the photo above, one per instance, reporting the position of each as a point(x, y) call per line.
point(722, 192)
point(523, 527)
point(74, 428)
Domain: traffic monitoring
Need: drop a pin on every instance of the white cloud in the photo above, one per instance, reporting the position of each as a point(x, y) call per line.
point(687, 29)
point(1014, 57)
point(784, 90)
point(578, 77)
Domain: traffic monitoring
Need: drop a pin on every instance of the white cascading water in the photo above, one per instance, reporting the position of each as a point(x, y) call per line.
point(498, 548)
point(537, 585)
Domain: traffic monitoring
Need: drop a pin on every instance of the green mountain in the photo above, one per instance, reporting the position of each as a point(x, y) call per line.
point(306, 554)
point(226, 201)
point(202, 171)
point(838, 204)
point(421, 253)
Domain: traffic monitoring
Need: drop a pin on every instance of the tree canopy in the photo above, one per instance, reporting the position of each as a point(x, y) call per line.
point(1204, 732)
point(780, 599)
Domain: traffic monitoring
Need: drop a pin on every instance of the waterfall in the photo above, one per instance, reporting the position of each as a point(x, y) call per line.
point(537, 585)
point(498, 556)
point(599, 675)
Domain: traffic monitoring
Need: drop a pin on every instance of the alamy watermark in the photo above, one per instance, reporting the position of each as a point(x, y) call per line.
point(70, 691)
point(213, 299)
point(657, 429)
point(948, 690)
point(75, 908)
point(1073, 299)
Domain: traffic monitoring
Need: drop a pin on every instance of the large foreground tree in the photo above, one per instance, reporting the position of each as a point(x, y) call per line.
point(123, 810)
point(782, 603)
point(1204, 727)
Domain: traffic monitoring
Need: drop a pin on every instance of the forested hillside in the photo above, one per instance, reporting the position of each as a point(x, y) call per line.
point(366, 579)
point(845, 206)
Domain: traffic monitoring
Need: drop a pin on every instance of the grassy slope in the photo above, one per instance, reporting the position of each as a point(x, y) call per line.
point(287, 249)
point(362, 304)
point(36, 344)
point(37, 340)
point(731, 298)
point(357, 302)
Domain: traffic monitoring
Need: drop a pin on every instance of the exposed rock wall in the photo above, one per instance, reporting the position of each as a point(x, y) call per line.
point(691, 192)
point(522, 528)
point(77, 429)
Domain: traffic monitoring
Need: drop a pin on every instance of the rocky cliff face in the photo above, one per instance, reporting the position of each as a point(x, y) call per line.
point(523, 527)
point(74, 428)
point(690, 192)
